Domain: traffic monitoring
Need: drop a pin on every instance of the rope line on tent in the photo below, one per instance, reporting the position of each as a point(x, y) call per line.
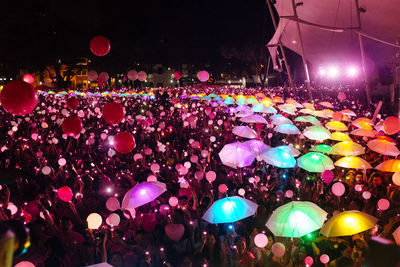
point(323, 27)
point(378, 40)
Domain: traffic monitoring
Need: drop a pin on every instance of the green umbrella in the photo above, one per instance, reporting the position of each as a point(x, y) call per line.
point(296, 219)
point(322, 149)
point(318, 133)
point(315, 162)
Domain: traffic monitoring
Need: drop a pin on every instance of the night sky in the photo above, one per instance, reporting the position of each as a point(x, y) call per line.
point(37, 32)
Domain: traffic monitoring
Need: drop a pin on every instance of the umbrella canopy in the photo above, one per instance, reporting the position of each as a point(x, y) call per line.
point(244, 131)
point(326, 104)
point(287, 129)
point(338, 136)
point(322, 149)
point(353, 163)
point(254, 119)
point(296, 219)
point(278, 157)
point(336, 126)
point(348, 112)
point(236, 155)
point(257, 146)
point(294, 103)
point(363, 132)
point(315, 162)
point(293, 151)
point(309, 119)
point(347, 148)
point(348, 223)
point(269, 109)
point(383, 147)
point(391, 165)
point(278, 119)
point(288, 108)
point(230, 209)
point(142, 194)
point(308, 106)
point(318, 133)
point(362, 123)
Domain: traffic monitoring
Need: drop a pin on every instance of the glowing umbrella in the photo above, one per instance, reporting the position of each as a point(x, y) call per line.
point(363, 123)
point(257, 146)
point(244, 131)
point(338, 136)
point(315, 162)
point(347, 148)
point(245, 112)
point(278, 99)
point(363, 132)
point(278, 119)
point(293, 151)
point(320, 113)
point(336, 126)
point(391, 165)
point(142, 194)
point(353, 163)
point(254, 119)
point(387, 138)
point(348, 112)
point(288, 108)
point(257, 108)
point(322, 148)
point(296, 219)
point(306, 111)
point(308, 106)
point(294, 103)
point(236, 155)
point(269, 109)
point(348, 223)
point(326, 104)
point(328, 113)
point(278, 157)
point(383, 147)
point(317, 133)
point(309, 119)
point(287, 129)
point(230, 209)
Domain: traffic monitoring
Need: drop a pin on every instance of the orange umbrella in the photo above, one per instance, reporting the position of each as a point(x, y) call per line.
point(363, 132)
point(347, 148)
point(360, 123)
point(336, 125)
point(391, 165)
point(383, 147)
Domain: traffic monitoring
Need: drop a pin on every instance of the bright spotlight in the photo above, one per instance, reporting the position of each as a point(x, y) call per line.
point(351, 71)
point(333, 72)
point(322, 72)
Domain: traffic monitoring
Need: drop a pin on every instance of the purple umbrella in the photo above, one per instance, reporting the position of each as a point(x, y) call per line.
point(142, 194)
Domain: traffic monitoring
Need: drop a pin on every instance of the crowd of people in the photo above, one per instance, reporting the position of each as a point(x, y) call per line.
point(32, 172)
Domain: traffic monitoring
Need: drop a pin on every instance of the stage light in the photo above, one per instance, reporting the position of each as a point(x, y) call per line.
point(352, 71)
point(322, 72)
point(333, 72)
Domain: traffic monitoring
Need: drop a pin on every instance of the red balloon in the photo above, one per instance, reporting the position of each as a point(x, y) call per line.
point(72, 126)
point(113, 113)
point(337, 116)
point(177, 75)
point(72, 102)
point(342, 96)
point(28, 78)
point(124, 142)
point(18, 98)
point(65, 193)
point(99, 45)
point(391, 125)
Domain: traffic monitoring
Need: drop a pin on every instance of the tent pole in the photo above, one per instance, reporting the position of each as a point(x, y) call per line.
point(367, 88)
point(302, 52)
point(280, 45)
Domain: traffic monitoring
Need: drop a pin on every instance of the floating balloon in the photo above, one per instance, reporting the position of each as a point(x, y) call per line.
point(65, 193)
point(289, 194)
point(151, 178)
point(112, 204)
point(358, 187)
point(18, 98)
point(177, 75)
point(366, 195)
point(132, 75)
point(222, 188)
point(113, 219)
point(72, 103)
point(104, 76)
point(175, 231)
point(113, 113)
point(24, 264)
point(327, 176)
point(92, 75)
point(278, 249)
point(199, 175)
point(28, 78)
point(342, 96)
point(100, 45)
point(391, 125)
point(12, 208)
point(173, 201)
point(94, 221)
point(164, 209)
point(46, 170)
point(261, 240)
point(324, 258)
point(72, 126)
point(338, 189)
point(142, 76)
point(396, 178)
point(337, 116)
point(155, 167)
point(241, 192)
point(383, 204)
point(308, 261)
point(124, 142)
point(203, 76)
point(211, 176)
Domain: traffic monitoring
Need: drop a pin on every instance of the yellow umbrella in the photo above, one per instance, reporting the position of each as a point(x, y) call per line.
point(383, 147)
point(347, 148)
point(336, 125)
point(363, 132)
point(353, 163)
point(338, 136)
point(294, 103)
point(361, 123)
point(320, 113)
point(309, 106)
point(348, 223)
point(278, 99)
point(346, 118)
point(306, 111)
point(391, 165)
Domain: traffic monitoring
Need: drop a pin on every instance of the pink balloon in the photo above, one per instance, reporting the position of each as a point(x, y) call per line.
point(308, 261)
point(261, 240)
point(211, 176)
point(155, 167)
point(366, 195)
point(212, 115)
point(324, 258)
point(289, 194)
point(327, 176)
point(24, 264)
point(92, 75)
point(278, 249)
point(113, 219)
point(222, 188)
point(194, 158)
point(142, 76)
point(199, 175)
point(383, 204)
point(132, 75)
point(174, 231)
point(177, 75)
point(338, 189)
point(28, 78)
point(203, 76)
point(65, 193)
point(173, 201)
point(164, 209)
point(112, 204)
point(342, 96)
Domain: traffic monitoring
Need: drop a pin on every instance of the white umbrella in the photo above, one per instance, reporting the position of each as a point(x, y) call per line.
point(237, 155)
point(254, 119)
point(244, 131)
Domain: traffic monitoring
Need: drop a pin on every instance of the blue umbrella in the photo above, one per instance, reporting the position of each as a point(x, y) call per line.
point(230, 209)
point(278, 157)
